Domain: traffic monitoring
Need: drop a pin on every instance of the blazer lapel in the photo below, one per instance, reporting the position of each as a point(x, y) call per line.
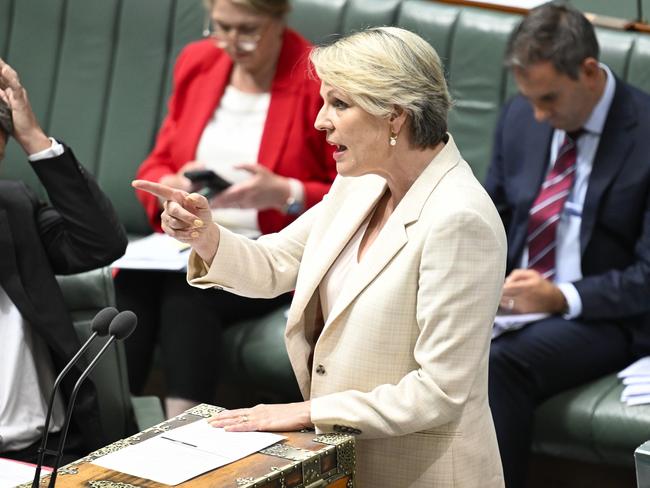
point(304, 320)
point(344, 225)
point(394, 235)
point(614, 145)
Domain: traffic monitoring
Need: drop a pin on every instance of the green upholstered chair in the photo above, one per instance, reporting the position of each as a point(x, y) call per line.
point(254, 355)
point(86, 294)
point(623, 9)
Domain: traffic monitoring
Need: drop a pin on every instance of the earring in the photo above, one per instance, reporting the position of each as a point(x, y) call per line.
point(392, 140)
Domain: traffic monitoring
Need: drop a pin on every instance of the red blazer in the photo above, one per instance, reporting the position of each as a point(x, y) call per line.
point(290, 144)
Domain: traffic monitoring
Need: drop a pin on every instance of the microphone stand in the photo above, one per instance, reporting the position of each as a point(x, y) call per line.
point(639, 9)
point(42, 450)
point(73, 397)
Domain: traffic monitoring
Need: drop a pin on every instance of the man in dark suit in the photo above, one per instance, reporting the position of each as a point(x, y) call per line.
point(78, 231)
point(570, 176)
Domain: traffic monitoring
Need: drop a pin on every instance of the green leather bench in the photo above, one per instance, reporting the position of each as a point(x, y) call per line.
point(98, 73)
point(121, 414)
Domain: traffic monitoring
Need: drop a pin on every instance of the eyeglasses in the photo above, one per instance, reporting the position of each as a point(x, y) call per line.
point(247, 37)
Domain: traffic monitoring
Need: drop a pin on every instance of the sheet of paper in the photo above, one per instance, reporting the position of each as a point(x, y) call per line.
point(635, 380)
point(155, 252)
point(638, 400)
point(186, 452)
point(635, 390)
point(640, 367)
point(13, 473)
point(231, 445)
point(507, 322)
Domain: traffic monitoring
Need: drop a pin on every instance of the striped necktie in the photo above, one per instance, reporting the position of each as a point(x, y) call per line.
point(546, 210)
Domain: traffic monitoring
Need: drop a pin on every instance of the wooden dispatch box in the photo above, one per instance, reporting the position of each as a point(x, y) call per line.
point(303, 460)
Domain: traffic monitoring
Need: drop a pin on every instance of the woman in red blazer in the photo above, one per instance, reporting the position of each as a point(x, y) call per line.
point(250, 51)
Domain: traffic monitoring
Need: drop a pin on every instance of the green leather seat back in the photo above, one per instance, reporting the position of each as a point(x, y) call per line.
point(435, 22)
point(98, 74)
point(85, 294)
point(563, 425)
point(623, 9)
point(317, 20)
point(6, 15)
point(360, 14)
point(615, 49)
point(639, 70)
point(477, 80)
point(186, 23)
point(617, 428)
point(253, 351)
point(31, 45)
point(82, 78)
point(591, 424)
point(135, 86)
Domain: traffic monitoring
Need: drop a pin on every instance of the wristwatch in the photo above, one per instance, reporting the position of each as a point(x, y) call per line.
point(295, 203)
point(292, 206)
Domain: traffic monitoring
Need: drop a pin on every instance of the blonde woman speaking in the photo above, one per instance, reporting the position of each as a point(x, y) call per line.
point(397, 275)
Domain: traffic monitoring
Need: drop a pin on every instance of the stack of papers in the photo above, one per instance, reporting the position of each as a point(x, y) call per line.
point(156, 252)
point(183, 453)
point(636, 378)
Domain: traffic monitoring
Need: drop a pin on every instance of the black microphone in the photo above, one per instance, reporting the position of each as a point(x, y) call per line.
point(121, 327)
point(99, 325)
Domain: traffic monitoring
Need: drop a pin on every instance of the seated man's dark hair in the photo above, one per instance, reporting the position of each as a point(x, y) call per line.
point(553, 32)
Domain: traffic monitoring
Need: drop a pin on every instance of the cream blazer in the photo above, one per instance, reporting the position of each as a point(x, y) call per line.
point(402, 358)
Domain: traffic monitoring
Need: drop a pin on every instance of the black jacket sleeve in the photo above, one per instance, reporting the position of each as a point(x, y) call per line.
point(79, 228)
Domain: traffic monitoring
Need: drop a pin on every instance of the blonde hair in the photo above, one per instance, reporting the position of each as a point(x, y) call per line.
point(387, 67)
point(273, 8)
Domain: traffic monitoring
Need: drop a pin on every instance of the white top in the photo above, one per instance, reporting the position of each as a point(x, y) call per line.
point(26, 380)
point(346, 263)
point(231, 137)
point(567, 253)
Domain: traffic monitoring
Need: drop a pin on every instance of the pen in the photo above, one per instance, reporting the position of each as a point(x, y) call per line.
point(176, 440)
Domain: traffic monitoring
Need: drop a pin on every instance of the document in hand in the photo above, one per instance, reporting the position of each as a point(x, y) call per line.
point(183, 453)
point(507, 322)
point(155, 252)
point(636, 377)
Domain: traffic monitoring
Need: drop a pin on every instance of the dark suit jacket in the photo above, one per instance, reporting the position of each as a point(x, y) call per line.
point(79, 231)
point(615, 229)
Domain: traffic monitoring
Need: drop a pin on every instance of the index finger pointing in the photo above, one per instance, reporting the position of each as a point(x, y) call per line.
point(161, 191)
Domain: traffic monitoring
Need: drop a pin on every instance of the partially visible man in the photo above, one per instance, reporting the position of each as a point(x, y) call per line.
point(78, 231)
point(570, 176)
